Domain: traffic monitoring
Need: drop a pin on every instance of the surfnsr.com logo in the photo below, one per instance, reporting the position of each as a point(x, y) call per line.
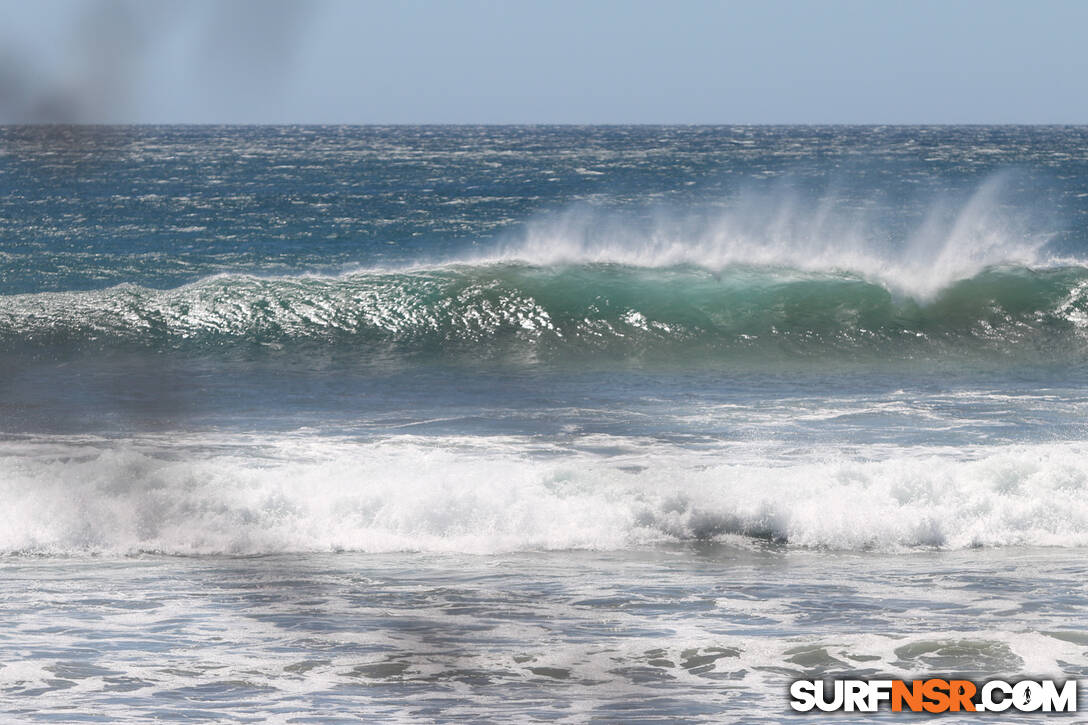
point(933, 695)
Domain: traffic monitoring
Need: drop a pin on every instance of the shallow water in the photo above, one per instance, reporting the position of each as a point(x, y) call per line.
point(681, 633)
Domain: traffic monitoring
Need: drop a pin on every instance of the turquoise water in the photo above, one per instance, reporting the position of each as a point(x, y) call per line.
point(535, 423)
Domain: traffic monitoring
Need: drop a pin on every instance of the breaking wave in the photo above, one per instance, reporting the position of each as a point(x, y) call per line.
point(768, 278)
point(487, 495)
point(589, 309)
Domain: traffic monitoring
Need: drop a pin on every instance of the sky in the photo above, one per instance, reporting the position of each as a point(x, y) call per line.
point(543, 61)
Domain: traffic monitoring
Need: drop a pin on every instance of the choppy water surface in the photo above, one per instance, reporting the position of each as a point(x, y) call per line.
point(516, 424)
point(705, 633)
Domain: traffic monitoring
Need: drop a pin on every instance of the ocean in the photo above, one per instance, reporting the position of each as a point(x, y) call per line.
point(536, 424)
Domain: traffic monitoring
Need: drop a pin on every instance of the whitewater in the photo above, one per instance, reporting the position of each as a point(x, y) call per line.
point(487, 495)
point(536, 423)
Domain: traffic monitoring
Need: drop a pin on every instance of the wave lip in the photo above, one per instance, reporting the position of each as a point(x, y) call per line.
point(491, 495)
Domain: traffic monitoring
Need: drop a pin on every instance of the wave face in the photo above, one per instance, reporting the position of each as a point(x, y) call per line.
point(487, 495)
point(767, 272)
point(588, 309)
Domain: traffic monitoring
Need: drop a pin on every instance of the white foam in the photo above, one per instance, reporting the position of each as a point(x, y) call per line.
point(482, 495)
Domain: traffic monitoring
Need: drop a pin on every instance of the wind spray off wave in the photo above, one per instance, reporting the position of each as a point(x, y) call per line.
point(767, 278)
point(782, 230)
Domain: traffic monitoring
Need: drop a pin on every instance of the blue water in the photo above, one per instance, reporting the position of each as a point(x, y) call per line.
point(535, 423)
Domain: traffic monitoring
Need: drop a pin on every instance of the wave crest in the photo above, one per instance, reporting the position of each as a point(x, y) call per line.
point(675, 313)
point(912, 253)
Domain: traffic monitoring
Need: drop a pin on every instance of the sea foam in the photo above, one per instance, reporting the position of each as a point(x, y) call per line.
point(484, 495)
